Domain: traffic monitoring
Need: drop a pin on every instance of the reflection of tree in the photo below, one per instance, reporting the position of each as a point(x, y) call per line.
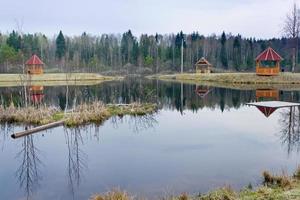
point(137, 123)
point(28, 171)
point(76, 158)
point(6, 129)
point(290, 128)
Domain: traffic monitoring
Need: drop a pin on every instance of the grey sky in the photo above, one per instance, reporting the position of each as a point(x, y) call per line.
point(251, 18)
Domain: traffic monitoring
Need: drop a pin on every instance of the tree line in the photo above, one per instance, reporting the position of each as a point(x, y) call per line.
point(144, 54)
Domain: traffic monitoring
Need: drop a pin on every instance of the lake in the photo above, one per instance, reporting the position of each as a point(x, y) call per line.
point(201, 138)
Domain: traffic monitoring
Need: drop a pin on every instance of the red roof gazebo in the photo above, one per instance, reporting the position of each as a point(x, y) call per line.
point(268, 62)
point(34, 65)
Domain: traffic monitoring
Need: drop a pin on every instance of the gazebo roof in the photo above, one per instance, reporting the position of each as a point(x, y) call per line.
point(269, 55)
point(34, 60)
point(202, 61)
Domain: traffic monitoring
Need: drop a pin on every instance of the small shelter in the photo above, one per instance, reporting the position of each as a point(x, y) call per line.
point(34, 65)
point(267, 95)
point(203, 66)
point(268, 63)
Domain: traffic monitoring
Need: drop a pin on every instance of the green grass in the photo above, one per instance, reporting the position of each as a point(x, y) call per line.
point(52, 79)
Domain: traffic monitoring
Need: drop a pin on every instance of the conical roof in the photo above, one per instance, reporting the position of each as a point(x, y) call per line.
point(34, 60)
point(203, 61)
point(269, 55)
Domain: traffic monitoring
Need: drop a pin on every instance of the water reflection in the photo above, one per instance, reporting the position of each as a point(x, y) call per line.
point(76, 158)
point(202, 90)
point(267, 95)
point(290, 129)
point(136, 123)
point(28, 173)
point(36, 93)
point(177, 97)
point(6, 129)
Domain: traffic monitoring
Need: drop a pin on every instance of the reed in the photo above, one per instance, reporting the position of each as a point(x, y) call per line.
point(28, 115)
point(85, 113)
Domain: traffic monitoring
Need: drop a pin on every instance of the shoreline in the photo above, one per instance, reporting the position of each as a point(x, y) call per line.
point(275, 187)
point(53, 79)
point(245, 81)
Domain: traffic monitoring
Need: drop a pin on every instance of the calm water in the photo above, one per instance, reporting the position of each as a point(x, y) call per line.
point(197, 141)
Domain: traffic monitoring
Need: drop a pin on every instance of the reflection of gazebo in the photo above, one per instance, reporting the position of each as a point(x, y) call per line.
point(202, 91)
point(268, 62)
point(34, 65)
point(36, 94)
point(203, 66)
point(268, 107)
point(267, 95)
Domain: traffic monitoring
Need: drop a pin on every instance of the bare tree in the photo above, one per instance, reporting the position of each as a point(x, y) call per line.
point(291, 30)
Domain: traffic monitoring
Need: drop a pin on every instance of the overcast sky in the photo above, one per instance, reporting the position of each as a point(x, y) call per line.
point(250, 18)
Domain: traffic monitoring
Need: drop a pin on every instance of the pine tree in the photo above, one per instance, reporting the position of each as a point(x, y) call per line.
point(60, 45)
point(223, 55)
point(237, 54)
point(14, 41)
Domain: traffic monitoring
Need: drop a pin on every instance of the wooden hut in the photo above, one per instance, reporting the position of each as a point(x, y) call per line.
point(267, 95)
point(34, 65)
point(203, 66)
point(268, 63)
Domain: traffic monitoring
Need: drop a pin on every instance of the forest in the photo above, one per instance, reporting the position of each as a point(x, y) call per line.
point(128, 54)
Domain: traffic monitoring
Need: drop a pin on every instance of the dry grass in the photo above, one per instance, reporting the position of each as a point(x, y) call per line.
point(29, 115)
point(283, 181)
point(237, 78)
point(51, 79)
point(115, 194)
point(95, 112)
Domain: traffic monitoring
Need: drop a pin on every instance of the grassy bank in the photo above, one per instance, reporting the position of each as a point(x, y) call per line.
point(10, 80)
point(274, 187)
point(95, 112)
point(237, 80)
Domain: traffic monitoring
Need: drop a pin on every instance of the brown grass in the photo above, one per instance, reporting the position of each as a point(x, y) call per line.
point(95, 112)
point(115, 194)
point(29, 115)
point(283, 181)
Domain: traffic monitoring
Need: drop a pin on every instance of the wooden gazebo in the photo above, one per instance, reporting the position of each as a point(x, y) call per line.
point(203, 66)
point(268, 63)
point(34, 65)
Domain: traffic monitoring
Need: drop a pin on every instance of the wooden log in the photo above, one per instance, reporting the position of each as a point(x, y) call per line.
point(37, 129)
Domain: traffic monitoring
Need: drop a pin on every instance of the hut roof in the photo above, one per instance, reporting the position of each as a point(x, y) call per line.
point(34, 60)
point(202, 61)
point(269, 55)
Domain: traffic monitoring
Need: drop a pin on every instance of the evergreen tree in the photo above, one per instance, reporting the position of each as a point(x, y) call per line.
point(223, 55)
point(14, 41)
point(60, 45)
point(237, 54)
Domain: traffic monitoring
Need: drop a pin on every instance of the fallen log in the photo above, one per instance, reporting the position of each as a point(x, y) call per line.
point(37, 129)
